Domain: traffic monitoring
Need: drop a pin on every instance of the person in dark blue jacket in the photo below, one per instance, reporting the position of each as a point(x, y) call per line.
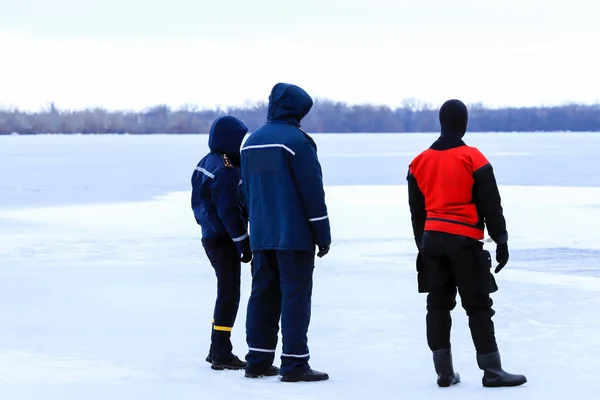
point(288, 221)
point(217, 202)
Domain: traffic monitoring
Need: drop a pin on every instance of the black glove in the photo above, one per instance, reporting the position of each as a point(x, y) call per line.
point(246, 257)
point(246, 252)
point(323, 250)
point(501, 256)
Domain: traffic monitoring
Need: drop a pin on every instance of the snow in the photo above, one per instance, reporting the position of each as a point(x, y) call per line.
point(114, 301)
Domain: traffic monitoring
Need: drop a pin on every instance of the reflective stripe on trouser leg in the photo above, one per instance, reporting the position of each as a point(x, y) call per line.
point(222, 328)
point(295, 355)
point(255, 349)
point(296, 270)
point(264, 310)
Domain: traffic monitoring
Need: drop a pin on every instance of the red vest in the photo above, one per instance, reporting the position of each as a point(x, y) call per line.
point(445, 177)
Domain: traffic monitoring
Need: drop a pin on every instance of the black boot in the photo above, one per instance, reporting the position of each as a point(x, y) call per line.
point(309, 375)
point(271, 371)
point(233, 363)
point(494, 375)
point(209, 358)
point(442, 360)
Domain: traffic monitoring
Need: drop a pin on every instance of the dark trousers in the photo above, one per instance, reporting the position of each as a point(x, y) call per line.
point(281, 288)
point(225, 260)
point(449, 264)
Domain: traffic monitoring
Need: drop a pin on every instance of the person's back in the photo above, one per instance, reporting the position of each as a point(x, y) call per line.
point(288, 219)
point(283, 179)
point(218, 208)
point(453, 196)
point(456, 180)
point(217, 204)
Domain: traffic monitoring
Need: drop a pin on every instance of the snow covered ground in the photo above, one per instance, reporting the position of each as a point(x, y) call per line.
point(114, 301)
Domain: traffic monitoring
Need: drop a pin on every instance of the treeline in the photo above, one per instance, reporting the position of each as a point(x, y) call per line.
point(325, 117)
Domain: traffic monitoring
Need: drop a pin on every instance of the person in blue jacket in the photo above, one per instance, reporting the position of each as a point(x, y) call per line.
point(217, 203)
point(288, 221)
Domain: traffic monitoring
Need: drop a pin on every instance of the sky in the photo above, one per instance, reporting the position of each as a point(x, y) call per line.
point(133, 54)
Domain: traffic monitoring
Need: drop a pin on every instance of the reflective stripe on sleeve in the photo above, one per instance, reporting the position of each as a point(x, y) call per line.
point(205, 172)
point(240, 238)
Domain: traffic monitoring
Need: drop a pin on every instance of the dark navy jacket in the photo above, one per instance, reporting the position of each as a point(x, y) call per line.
point(283, 178)
point(217, 199)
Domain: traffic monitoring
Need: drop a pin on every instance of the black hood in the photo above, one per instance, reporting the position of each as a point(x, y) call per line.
point(454, 118)
point(226, 137)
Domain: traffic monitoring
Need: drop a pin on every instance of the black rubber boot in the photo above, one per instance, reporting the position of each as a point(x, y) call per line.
point(271, 371)
point(233, 363)
point(442, 360)
point(494, 375)
point(209, 358)
point(307, 376)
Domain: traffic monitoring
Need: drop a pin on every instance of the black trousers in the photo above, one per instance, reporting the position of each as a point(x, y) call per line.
point(225, 259)
point(448, 264)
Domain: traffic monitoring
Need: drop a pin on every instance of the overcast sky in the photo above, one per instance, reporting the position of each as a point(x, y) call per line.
point(133, 53)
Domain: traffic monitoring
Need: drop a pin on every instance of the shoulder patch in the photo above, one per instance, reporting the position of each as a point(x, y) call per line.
point(310, 139)
point(226, 161)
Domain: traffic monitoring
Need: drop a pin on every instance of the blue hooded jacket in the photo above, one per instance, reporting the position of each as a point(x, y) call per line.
point(283, 179)
point(217, 200)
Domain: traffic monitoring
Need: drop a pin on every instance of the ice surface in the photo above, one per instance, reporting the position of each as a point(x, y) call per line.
point(114, 301)
point(50, 170)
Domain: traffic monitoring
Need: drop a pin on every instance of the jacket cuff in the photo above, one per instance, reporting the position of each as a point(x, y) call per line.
point(321, 230)
point(242, 243)
point(502, 239)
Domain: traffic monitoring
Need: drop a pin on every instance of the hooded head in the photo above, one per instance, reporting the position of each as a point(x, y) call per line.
point(454, 118)
point(226, 136)
point(288, 103)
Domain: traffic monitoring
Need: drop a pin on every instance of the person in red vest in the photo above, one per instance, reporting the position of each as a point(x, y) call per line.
point(453, 196)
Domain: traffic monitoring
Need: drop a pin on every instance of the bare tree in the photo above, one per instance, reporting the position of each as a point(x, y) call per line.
point(326, 117)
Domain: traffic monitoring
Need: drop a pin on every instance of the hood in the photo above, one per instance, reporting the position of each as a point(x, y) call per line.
point(454, 118)
point(226, 136)
point(288, 103)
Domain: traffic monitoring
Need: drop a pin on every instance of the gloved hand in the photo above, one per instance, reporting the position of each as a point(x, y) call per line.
point(501, 256)
point(246, 251)
point(323, 250)
point(246, 257)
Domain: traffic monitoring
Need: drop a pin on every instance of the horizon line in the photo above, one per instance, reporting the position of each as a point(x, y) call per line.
point(415, 104)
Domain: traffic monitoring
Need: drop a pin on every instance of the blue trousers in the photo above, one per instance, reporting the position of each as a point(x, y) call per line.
point(225, 260)
point(282, 284)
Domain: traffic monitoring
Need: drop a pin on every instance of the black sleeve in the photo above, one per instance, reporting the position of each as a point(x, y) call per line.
point(489, 204)
point(416, 202)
